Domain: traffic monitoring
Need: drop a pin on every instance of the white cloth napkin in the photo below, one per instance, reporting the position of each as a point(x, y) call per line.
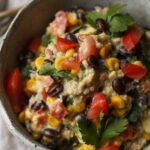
point(7, 140)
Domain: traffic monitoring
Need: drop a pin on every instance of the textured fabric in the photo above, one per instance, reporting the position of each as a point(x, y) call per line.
point(7, 140)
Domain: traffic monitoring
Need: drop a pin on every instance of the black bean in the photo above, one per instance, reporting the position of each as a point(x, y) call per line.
point(101, 25)
point(88, 100)
point(38, 105)
point(118, 86)
point(55, 89)
point(93, 61)
point(51, 133)
point(71, 37)
point(80, 117)
point(81, 16)
point(48, 144)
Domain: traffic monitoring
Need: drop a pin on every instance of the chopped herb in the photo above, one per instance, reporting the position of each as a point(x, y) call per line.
point(101, 116)
point(76, 28)
point(113, 129)
point(135, 114)
point(67, 100)
point(48, 69)
point(91, 17)
point(25, 71)
point(120, 23)
point(46, 39)
point(114, 10)
point(89, 132)
point(132, 59)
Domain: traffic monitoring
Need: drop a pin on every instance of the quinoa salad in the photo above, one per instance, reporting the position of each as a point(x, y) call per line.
point(85, 83)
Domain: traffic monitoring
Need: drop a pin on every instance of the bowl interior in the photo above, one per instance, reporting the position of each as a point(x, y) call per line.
point(32, 21)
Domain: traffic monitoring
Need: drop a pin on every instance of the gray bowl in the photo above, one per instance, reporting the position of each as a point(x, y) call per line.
point(32, 20)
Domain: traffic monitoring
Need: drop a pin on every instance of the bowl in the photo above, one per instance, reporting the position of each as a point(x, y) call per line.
point(32, 20)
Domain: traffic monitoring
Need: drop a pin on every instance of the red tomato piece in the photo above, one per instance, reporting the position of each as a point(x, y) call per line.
point(99, 104)
point(44, 94)
point(64, 45)
point(14, 89)
point(33, 46)
point(87, 48)
point(109, 147)
point(131, 38)
point(134, 71)
point(42, 119)
point(59, 25)
point(58, 111)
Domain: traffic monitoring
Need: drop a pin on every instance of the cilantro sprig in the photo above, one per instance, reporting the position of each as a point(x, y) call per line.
point(109, 129)
point(117, 22)
point(46, 39)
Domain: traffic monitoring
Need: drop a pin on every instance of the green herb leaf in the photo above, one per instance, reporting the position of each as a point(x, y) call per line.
point(120, 23)
point(91, 17)
point(132, 59)
point(46, 39)
point(67, 100)
point(25, 71)
point(101, 116)
point(76, 28)
point(89, 132)
point(114, 10)
point(135, 114)
point(114, 128)
point(48, 69)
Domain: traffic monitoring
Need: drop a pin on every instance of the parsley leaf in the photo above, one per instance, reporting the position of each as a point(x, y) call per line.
point(89, 132)
point(46, 39)
point(91, 17)
point(132, 59)
point(48, 69)
point(76, 28)
point(101, 116)
point(25, 71)
point(114, 10)
point(113, 129)
point(120, 23)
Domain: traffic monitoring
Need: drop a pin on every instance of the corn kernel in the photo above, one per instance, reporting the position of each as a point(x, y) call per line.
point(29, 86)
point(120, 112)
point(112, 63)
point(69, 53)
point(51, 99)
point(139, 63)
point(72, 18)
point(58, 62)
point(74, 72)
point(77, 108)
point(53, 122)
point(88, 147)
point(146, 136)
point(117, 102)
point(22, 117)
point(117, 141)
point(41, 49)
point(104, 52)
point(28, 114)
point(36, 136)
point(39, 62)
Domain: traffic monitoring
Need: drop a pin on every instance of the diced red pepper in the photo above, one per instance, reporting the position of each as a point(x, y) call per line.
point(134, 71)
point(64, 45)
point(14, 89)
point(98, 105)
point(34, 45)
point(44, 94)
point(131, 37)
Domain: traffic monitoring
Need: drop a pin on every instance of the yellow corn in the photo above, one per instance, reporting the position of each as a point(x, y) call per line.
point(72, 18)
point(139, 63)
point(41, 49)
point(36, 136)
point(88, 147)
point(53, 122)
point(146, 136)
point(117, 141)
point(119, 112)
point(74, 72)
point(112, 63)
point(104, 51)
point(28, 114)
point(69, 53)
point(58, 62)
point(117, 102)
point(39, 62)
point(77, 108)
point(22, 117)
point(50, 99)
point(29, 86)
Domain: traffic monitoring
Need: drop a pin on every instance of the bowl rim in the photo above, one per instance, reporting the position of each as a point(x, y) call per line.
point(3, 113)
